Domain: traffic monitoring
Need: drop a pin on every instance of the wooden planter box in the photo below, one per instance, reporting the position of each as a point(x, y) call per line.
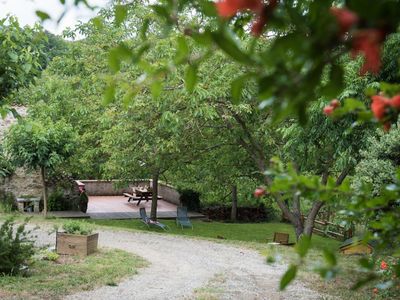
point(74, 244)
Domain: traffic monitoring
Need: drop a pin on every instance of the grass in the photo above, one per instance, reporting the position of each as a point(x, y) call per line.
point(212, 290)
point(245, 232)
point(54, 280)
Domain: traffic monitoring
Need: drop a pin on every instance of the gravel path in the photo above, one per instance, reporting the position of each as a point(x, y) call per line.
point(183, 268)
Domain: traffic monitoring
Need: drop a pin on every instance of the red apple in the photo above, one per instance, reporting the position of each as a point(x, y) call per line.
point(328, 110)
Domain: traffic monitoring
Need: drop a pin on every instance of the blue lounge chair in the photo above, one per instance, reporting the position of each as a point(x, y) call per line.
point(149, 222)
point(182, 218)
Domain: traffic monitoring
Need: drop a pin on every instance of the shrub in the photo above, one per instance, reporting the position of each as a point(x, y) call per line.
point(46, 254)
point(16, 248)
point(190, 199)
point(78, 227)
point(56, 200)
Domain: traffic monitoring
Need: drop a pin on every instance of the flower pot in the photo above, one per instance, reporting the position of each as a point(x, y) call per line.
point(75, 244)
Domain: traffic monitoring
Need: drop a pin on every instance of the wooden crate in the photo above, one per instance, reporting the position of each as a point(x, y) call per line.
point(74, 244)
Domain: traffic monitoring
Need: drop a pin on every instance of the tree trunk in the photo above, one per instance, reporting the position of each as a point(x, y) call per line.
point(44, 187)
point(298, 218)
point(299, 228)
point(153, 213)
point(234, 203)
point(309, 223)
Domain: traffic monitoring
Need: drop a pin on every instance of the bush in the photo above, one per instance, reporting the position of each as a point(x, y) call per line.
point(78, 227)
point(16, 248)
point(56, 200)
point(244, 214)
point(190, 199)
point(60, 200)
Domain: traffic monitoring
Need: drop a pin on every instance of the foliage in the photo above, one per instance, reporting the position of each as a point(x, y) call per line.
point(50, 255)
point(56, 199)
point(36, 145)
point(190, 199)
point(389, 269)
point(70, 89)
point(6, 168)
point(379, 163)
point(22, 55)
point(16, 247)
point(40, 145)
point(288, 71)
point(78, 227)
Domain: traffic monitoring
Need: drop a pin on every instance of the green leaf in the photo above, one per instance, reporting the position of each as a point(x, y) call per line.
point(42, 15)
point(288, 277)
point(182, 50)
point(351, 104)
point(156, 88)
point(366, 263)
point(208, 8)
point(230, 47)
point(109, 94)
point(118, 54)
point(98, 22)
point(335, 83)
point(26, 67)
point(238, 86)
point(161, 11)
point(303, 245)
point(144, 28)
point(330, 258)
point(121, 11)
point(129, 96)
point(13, 56)
point(191, 77)
point(364, 281)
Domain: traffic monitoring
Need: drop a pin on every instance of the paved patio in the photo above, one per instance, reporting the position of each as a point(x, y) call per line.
point(118, 207)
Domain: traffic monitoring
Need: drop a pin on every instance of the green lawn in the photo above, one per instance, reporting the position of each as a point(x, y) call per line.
point(247, 232)
point(54, 280)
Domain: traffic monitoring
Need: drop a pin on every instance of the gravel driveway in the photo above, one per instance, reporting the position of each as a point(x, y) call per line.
point(184, 268)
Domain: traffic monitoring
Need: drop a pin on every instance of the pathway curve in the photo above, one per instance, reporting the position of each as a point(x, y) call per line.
point(181, 265)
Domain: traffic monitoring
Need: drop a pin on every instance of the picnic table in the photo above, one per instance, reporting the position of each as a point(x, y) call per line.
point(142, 193)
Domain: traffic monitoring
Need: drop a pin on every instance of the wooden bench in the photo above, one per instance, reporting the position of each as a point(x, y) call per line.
point(282, 238)
point(139, 196)
point(130, 196)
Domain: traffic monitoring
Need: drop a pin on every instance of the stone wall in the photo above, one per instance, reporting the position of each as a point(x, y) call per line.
point(169, 193)
point(22, 182)
point(115, 187)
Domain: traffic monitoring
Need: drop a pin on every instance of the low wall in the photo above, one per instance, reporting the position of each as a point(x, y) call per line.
point(169, 193)
point(116, 187)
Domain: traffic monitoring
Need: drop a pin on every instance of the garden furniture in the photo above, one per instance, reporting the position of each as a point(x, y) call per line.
point(149, 222)
point(182, 218)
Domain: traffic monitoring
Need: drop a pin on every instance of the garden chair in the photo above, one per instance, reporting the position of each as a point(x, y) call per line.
point(149, 222)
point(182, 218)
